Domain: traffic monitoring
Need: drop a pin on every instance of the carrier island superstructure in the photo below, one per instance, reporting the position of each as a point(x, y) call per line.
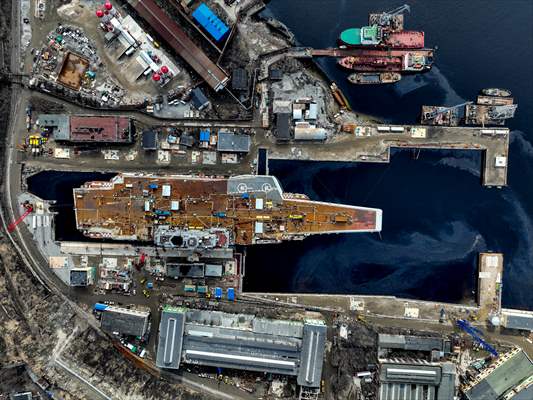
point(203, 212)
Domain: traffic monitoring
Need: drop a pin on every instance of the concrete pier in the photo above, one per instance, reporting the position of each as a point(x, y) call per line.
point(490, 283)
point(372, 143)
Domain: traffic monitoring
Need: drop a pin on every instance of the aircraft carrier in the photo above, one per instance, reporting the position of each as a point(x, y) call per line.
point(203, 212)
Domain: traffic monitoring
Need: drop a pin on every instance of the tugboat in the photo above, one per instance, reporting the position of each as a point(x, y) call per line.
point(374, 78)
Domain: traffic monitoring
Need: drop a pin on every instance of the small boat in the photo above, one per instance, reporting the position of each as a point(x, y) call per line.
point(370, 78)
point(496, 92)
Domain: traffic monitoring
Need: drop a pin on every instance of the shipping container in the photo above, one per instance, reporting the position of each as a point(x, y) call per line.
point(202, 289)
point(190, 288)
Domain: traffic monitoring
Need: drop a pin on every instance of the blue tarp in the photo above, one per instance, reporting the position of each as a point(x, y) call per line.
point(204, 135)
point(100, 307)
point(210, 22)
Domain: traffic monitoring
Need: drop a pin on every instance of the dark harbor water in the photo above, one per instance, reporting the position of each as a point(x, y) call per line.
point(437, 216)
point(55, 185)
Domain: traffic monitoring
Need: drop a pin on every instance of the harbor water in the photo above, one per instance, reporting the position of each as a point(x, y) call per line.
point(437, 216)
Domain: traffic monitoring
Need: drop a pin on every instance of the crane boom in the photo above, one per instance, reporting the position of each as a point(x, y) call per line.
point(386, 17)
point(441, 110)
point(11, 227)
point(475, 333)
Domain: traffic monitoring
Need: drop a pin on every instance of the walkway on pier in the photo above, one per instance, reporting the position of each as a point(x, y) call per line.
point(372, 143)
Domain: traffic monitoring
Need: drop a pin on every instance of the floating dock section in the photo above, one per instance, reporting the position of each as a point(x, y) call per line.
point(176, 38)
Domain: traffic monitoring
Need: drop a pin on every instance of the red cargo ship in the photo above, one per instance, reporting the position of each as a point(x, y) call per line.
point(389, 61)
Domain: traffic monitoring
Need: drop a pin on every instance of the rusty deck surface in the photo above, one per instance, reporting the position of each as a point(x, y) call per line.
point(405, 39)
point(130, 207)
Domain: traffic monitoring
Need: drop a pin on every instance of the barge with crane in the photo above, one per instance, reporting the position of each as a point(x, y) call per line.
point(493, 107)
point(384, 30)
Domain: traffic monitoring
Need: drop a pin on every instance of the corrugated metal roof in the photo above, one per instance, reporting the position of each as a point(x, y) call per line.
point(124, 321)
point(524, 394)
point(232, 143)
point(59, 123)
point(210, 21)
point(170, 339)
point(278, 327)
point(446, 389)
point(518, 321)
point(400, 391)
point(407, 373)
point(312, 356)
point(508, 375)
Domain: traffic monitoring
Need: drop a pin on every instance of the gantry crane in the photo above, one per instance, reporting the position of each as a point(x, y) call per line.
point(12, 226)
point(386, 17)
point(476, 335)
point(441, 110)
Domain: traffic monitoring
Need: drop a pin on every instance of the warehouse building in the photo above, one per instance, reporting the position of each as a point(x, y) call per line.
point(84, 128)
point(240, 341)
point(231, 143)
point(283, 129)
point(387, 342)
point(210, 22)
point(410, 381)
point(517, 319)
point(170, 337)
point(125, 321)
point(511, 374)
point(81, 277)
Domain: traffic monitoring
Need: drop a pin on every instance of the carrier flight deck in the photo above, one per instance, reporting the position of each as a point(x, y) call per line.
point(190, 211)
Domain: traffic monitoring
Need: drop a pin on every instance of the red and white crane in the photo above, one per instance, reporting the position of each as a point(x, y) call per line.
point(13, 225)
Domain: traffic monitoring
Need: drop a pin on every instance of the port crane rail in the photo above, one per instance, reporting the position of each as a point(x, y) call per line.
point(476, 334)
point(441, 110)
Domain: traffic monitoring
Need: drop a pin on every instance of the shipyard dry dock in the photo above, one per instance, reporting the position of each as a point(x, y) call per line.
point(200, 212)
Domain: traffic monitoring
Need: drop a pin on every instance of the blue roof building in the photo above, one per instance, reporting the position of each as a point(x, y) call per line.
point(210, 22)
